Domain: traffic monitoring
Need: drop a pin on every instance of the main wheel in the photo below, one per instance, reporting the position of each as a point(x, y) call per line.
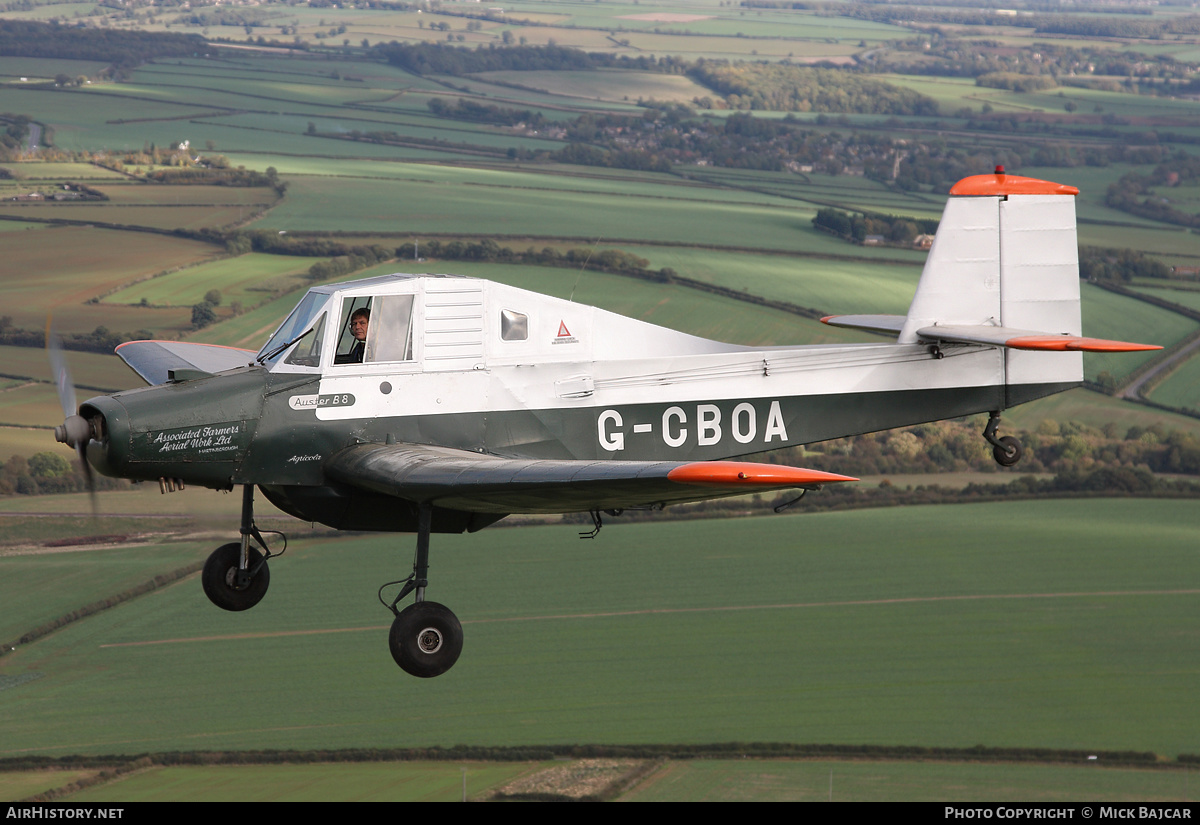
point(220, 578)
point(426, 639)
point(1009, 451)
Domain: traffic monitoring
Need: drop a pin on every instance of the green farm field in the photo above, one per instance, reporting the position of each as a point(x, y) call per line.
point(1182, 295)
point(369, 782)
point(16, 785)
point(243, 278)
point(1108, 315)
point(1096, 410)
point(68, 265)
point(1181, 388)
point(28, 172)
point(160, 195)
point(162, 216)
point(91, 370)
point(701, 780)
point(614, 86)
point(697, 780)
point(1074, 627)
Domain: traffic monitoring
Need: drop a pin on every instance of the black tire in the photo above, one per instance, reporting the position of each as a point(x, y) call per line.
point(426, 639)
point(1008, 452)
point(220, 579)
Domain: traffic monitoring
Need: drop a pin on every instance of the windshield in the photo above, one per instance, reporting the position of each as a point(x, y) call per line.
point(295, 324)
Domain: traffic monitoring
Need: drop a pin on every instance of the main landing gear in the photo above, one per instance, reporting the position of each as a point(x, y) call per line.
point(426, 637)
point(1006, 450)
point(236, 576)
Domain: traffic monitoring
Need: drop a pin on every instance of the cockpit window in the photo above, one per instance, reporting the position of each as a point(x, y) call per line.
point(375, 329)
point(296, 323)
point(307, 353)
point(355, 327)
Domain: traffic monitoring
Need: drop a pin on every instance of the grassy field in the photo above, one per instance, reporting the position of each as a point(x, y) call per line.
point(700, 780)
point(1096, 410)
point(820, 781)
point(243, 279)
point(1064, 636)
point(614, 86)
point(466, 206)
point(1108, 315)
point(68, 265)
point(16, 785)
point(1181, 388)
point(378, 782)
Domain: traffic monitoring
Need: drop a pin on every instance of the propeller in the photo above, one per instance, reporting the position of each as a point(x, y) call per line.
point(75, 431)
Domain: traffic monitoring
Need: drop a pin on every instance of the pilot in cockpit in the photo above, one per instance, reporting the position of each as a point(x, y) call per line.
point(359, 322)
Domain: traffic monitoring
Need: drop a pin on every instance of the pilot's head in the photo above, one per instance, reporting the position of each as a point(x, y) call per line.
point(359, 322)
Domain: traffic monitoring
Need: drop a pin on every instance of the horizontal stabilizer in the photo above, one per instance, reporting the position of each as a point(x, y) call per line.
point(473, 482)
point(1026, 339)
point(873, 323)
point(155, 360)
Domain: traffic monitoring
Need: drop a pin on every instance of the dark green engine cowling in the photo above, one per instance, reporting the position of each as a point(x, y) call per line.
point(199, 431)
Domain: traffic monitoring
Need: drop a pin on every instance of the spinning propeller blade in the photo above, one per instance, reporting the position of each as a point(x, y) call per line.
point(75, 430)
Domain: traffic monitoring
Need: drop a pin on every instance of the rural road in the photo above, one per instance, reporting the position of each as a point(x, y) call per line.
point(1134, 390)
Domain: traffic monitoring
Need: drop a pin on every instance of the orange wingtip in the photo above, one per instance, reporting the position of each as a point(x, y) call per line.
point(727, 473)
point(826, 319)
point(1002, 184)
point(1062, 343)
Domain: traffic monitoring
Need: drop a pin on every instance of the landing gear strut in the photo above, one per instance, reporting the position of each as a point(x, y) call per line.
point(236, 576)
point(426, 637)
point(1006, 450)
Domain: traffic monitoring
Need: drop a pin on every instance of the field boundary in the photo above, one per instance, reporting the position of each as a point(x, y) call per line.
point(161, 580)
point(112, 767)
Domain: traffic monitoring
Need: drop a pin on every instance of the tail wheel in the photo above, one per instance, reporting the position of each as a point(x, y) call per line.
point(1007, 452)
point(426, 639)
point(220, 578)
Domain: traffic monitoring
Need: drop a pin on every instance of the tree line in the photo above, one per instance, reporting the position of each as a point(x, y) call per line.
point(857, 226)
point(789, 88)
point(1134, 193)
point(436, 58)
point(121, 47)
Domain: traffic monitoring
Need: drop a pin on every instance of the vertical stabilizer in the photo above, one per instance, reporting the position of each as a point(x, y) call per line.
point(1005, 255)
point(960, 284)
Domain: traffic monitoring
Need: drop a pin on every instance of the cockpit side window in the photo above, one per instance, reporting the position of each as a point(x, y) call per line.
point(355, 328)
point(375, 329)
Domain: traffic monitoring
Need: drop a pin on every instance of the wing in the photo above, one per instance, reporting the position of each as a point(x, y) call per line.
point(155, 361)
point(474, 482)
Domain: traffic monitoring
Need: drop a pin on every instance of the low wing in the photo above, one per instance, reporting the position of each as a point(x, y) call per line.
point(462, 480)
point(156, 360)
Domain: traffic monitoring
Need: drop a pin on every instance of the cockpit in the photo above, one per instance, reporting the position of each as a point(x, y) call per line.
point(372, 321)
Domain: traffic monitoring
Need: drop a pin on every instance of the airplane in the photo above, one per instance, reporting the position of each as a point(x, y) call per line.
point(441, 404)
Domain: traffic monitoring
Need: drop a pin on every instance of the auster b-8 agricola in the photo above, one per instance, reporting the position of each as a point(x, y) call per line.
point(435, 403)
